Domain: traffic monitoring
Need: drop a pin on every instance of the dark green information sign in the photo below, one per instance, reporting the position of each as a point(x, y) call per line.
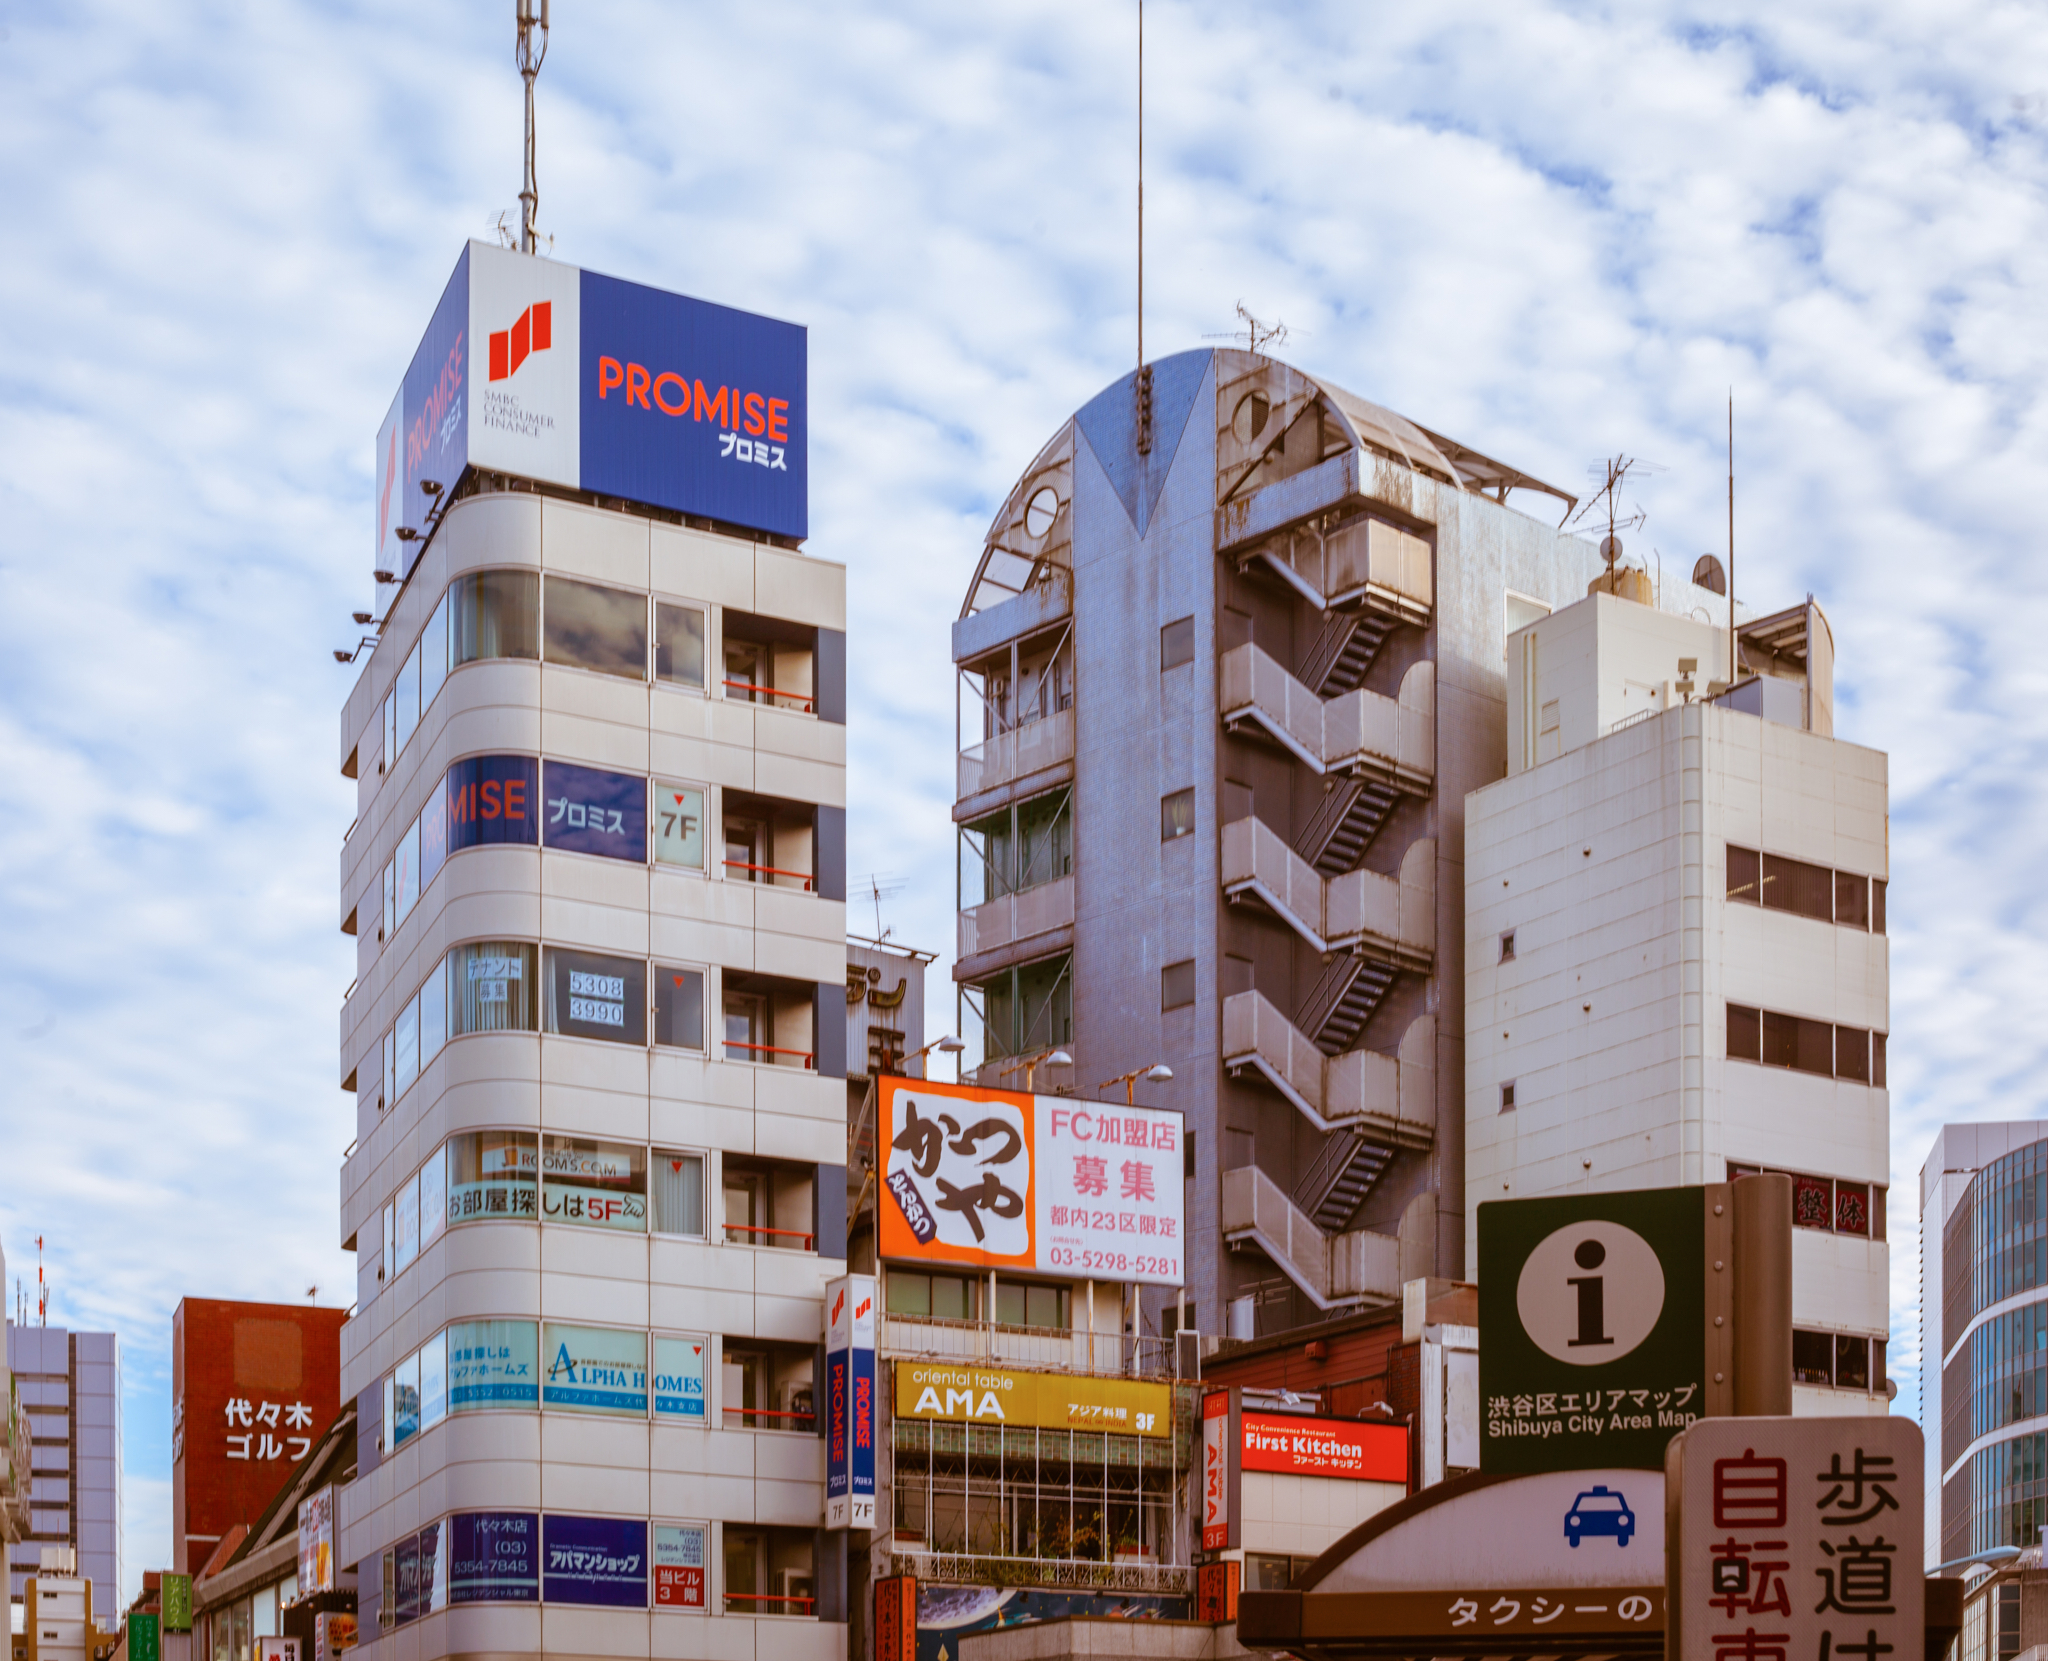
point(176, 1598)
point(145, 1643)
point(1592, 1320)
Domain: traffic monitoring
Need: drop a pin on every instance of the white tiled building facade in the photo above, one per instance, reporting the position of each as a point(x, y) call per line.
point(1675, 961)
point(598, 1182)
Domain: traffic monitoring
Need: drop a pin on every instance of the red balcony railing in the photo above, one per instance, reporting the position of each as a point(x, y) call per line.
point(770, 692)
point(772, 870)
point(763, 1049)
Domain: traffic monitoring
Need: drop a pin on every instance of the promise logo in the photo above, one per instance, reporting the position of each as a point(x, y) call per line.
point(534, 332)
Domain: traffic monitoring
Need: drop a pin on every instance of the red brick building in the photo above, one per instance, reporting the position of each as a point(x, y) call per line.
point(252, 1387)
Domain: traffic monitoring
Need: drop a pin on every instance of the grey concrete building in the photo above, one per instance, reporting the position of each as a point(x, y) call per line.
point(1233, 656)
point(70, 1389)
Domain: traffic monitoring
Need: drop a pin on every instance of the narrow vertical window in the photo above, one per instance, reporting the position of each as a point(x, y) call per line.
point(1177, 815)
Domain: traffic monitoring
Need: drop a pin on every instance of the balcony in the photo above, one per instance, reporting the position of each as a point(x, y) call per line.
point(1361, 734)
point(1359, 1269)
point(1362, 911)
point(1025, 920)
point(1037, 747)
point(1388, 1097)
point(1369, 562)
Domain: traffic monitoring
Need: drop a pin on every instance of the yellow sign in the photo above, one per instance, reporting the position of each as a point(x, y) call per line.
point(961, 1393)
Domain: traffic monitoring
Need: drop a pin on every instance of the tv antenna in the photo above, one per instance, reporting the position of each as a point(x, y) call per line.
point(1606, 501)
point(532, 15)
point(43, 1288)
point(880, 886)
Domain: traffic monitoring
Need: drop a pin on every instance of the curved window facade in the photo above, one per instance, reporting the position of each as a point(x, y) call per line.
point(1995, 1249)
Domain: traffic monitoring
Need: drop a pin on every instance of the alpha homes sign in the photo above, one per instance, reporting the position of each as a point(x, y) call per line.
point(1595, 1314)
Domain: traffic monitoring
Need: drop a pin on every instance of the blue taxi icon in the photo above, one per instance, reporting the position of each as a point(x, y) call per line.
point(1599, 1511)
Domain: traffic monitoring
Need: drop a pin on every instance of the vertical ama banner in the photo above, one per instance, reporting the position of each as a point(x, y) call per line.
point(850, 1402)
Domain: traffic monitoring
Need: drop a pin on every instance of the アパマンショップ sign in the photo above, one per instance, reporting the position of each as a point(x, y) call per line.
point(1304, 1446)
point(999, 1179)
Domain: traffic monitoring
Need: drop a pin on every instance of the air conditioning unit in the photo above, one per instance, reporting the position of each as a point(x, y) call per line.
point(794, 1585)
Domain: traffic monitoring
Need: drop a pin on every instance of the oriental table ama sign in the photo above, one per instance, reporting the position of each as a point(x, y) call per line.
point(1594, 1313)
point(1001, 1180)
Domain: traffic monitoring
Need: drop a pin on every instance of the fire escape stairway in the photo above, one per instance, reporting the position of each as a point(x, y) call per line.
point(1342, 1000)
point(1336, 1271)
point(1342, 1175)
point(1389, 1098)
point(1335, 839)
point(1342, 651)
point(1358, 734)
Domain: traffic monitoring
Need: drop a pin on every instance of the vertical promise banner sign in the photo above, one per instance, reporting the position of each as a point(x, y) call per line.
point(850, 1402)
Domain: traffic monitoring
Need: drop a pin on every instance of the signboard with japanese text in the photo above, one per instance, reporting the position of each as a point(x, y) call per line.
point(175, 1599)
point(1594, 1310)
point(494, 1557)
point(1219, 1473)
point(492, 799)
point(277, 1649)
point(1302, 1445)
point(145, 1638)
point(588, 811)
point(850, 1402)
point(537, 368)
point(492, 1364)
point(681, 1563)
point(316, 1542)
point(896, 1618)
point(334, 1634)
point(593, 1369)
point(1572, 1560)
point(962, 1393)
point(1796, 1540)
point(1000, 1179)
point(600, 1560)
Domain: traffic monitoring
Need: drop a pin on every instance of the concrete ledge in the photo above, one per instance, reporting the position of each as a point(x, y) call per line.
point(1102, 1635)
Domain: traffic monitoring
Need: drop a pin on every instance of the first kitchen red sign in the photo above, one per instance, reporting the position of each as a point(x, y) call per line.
point(1302, 1446)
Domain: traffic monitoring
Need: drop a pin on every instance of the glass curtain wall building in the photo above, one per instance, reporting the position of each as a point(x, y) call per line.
point(1984, 1340)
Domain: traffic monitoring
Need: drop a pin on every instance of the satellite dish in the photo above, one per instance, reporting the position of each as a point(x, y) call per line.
point(1610, 547)
point(1709, 575)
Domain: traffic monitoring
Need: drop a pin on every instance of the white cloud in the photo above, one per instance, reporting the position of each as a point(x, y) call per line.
point(1555, 230)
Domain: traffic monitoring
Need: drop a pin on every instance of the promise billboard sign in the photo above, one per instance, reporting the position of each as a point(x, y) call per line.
point(554, 373)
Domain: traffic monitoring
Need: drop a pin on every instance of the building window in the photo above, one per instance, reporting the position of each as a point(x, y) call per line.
point(589, 996)
point(1030, 1304)
point(679, 645)
point(588, 1369)
point(1507, 947)
point(494, 614)
point(1176, 644)
point(493, 1365)
point(676, 1186)
point(1853, 1054)
point(1177, 985)
point(587, 811)
point(1838, 1207)
point(588, 627)
point(1177, 815)
point(493, 1176)
point(594, 1184)
point(767, 1386)
point(492, 985)
point(1024, 845)
point(679, 825)
point(679, 1377)
point(770, 1571)
point(770, 1204)
point(678, 1007)
point(1813, 1358)
point(1840, 1360)
point(934, 1297)
point(1846, 898)
point(1507, 1097)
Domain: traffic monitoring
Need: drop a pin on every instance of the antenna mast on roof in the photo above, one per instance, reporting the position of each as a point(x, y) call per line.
point(1141, 383)
point(532, 14)
point(1734, 657)
point(42, 1288)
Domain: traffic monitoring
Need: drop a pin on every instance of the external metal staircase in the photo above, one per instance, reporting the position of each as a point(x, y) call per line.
point(1342, 652)
point(1342, 1000)
point(1343, 1174)
point(1352, 811)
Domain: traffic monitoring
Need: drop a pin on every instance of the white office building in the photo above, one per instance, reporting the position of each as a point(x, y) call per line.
point(69, 1384)
point(596, 883)
point(1676, 965)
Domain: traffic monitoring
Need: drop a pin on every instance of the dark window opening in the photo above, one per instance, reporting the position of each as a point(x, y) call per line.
point(1177, 985)
point(1177, 815)
point(1177, 644)
point(1507, 1097)
point(1507, 947)
point(588, 627)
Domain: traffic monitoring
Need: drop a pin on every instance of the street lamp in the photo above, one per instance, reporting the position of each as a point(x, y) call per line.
point(1996, 1554)
point(1031, 1063)
point(1157, 1073)
point(948, 1045)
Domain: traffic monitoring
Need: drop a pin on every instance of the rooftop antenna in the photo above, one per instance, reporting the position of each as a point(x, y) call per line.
point(42, 1288)
point(1141, 384)
point(1612, 473)
point(1734, 660)
point(532, 14)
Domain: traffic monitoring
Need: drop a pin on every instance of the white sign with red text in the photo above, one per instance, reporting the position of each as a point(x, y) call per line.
point(999, 1179)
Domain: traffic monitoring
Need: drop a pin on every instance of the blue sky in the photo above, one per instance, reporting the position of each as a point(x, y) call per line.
point(1554, 230)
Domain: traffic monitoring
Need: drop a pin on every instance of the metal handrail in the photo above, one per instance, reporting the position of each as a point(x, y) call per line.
point(803, 698)
point(772, 870)
point(771, 1597)
point(754, 1228)
point(768, 1049)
